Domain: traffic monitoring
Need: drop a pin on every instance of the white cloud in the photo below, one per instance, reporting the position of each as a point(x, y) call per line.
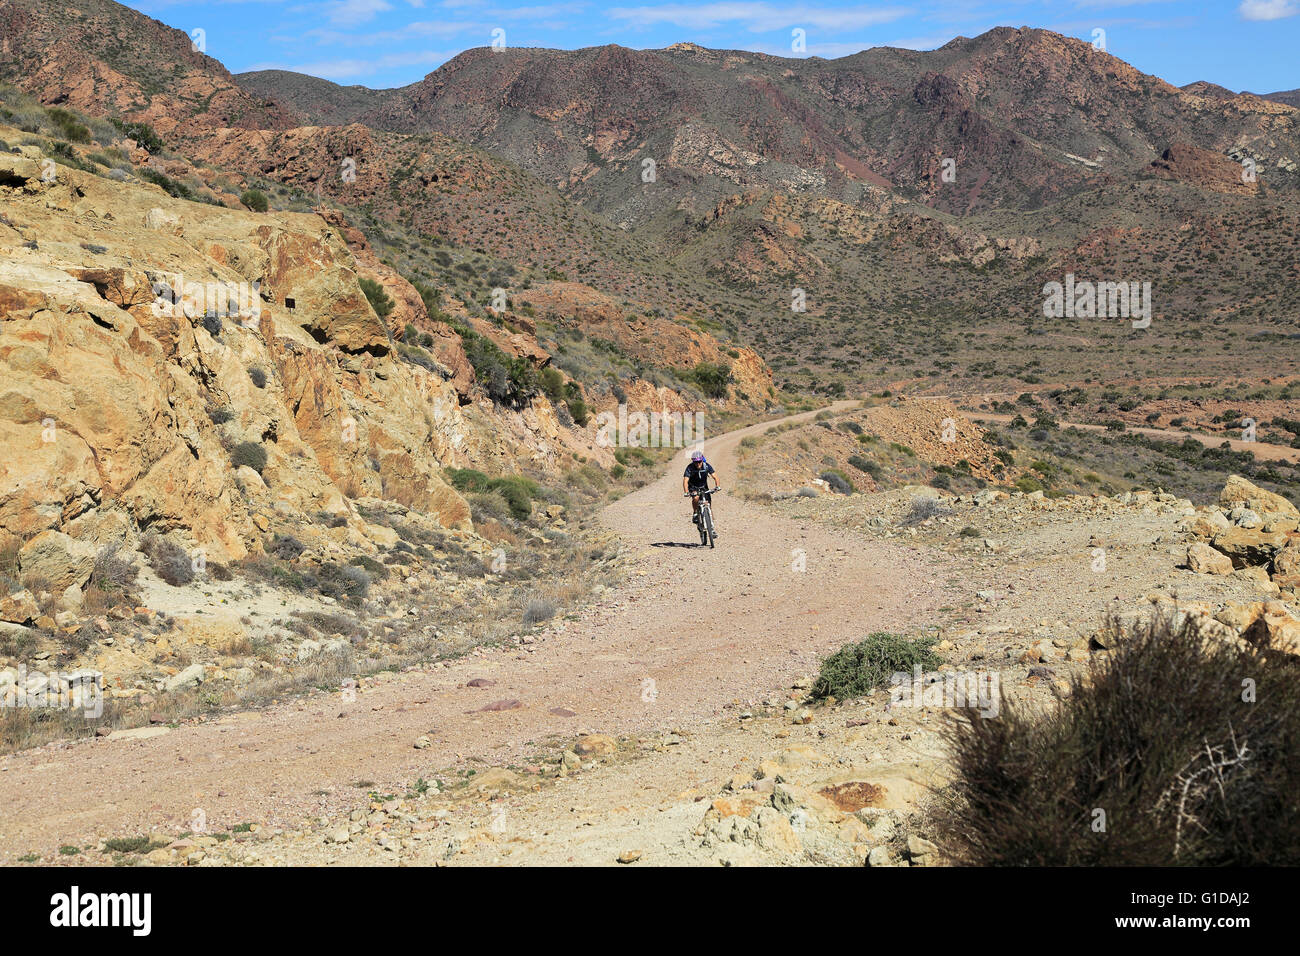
point(356, 68)
point(422, 28)
point(1268, 9)
point(347, 13)
point(835, 50)
point(756, 16)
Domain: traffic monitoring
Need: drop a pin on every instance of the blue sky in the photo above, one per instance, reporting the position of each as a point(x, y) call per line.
point(1240, 44)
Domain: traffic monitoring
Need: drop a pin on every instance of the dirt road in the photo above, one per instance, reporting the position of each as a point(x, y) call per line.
point(692, 629)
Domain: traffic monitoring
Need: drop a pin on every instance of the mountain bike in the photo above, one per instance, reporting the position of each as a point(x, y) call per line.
point(705, 522)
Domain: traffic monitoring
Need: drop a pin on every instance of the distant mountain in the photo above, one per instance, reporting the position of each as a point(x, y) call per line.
point(1289, 97)
point(1214, 91)
point(1026, 117)
point(315, 101)
point(913, 204)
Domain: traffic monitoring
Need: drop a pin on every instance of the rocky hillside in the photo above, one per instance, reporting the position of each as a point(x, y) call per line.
point(798, 207)
point(203, 400)
point(1027, 115)
point(101, 57)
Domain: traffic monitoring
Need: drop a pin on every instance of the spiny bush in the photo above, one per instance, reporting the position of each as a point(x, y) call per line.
point(857, 669)
point(168, 559)
point(538, 611)
point(1189, 747)
point(343, 581)
point(922, 509)
point(286, 547)
point(838, 481)
point(111, 572)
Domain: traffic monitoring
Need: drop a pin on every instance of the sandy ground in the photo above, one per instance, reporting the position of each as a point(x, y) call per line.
point(700, 627)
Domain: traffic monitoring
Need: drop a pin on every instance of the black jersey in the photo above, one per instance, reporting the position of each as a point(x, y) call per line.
point(697, 478)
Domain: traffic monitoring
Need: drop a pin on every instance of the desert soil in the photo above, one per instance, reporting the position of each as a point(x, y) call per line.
point(707, 627)
point(692, 673)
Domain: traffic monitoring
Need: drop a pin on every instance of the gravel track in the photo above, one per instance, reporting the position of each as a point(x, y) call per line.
point(706, 626)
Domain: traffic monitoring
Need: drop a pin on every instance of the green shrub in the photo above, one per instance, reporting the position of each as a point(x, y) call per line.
point(517, 491)
point(578, 409)
point(857, 669)
point(249, 453)
point(467, 479)
point(142, 133)
point(506, 380)
point(379, 300)
point(711, 378)
point(1028, 485)
point(255, 200)
point(866, 465)
point(169, 185)
point(1161, 737)
point(69, 127)
point(552, 384)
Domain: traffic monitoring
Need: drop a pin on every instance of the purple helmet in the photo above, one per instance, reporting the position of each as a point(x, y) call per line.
point(697, 455)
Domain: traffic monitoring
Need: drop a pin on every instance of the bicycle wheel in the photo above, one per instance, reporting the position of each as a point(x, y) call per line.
point(708, 525)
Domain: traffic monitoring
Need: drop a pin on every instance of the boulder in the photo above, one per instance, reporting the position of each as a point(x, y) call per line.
point(1239, 491)
point(57, 559)
point(1286, 566)
point(595, 745)
point(1250, 547)
point(1203, 559)
point(775, 833)
point(1264, 622)
point(19, 608)
point(192, 676)
point(921, 851)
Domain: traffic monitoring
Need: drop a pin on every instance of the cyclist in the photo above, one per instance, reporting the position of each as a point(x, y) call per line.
point(696, 479)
